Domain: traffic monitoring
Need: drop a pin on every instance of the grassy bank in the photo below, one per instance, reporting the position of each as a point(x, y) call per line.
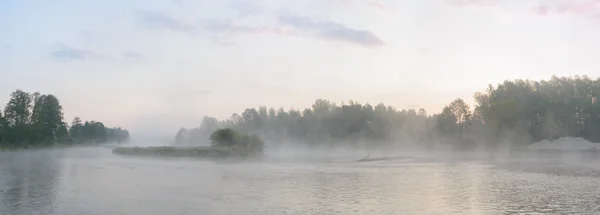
point(32, 147)
point(171, 151)
point(50, 146)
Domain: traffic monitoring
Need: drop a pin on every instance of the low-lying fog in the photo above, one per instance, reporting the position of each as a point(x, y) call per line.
point(301, 181)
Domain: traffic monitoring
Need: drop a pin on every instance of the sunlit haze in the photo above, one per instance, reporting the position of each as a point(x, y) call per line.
point(154, 66)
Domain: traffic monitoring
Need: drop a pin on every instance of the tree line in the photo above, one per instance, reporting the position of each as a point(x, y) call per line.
point(35, 119)
point(513, 113)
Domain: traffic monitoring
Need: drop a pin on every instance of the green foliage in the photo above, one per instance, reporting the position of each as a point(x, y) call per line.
point(18, 109)
point(519, 111)
point(3, 127)
point(95, 132)
point(227, 137)
point(41, 124)
point(565, 106)
point(17, 114)
point(323, 122)
point(46, 119)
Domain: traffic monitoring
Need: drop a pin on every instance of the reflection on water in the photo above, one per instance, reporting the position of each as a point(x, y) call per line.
point(28, 181)
point(93, 181)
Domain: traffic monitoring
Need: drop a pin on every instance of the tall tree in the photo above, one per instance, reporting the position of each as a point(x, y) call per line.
point(17, 114)
point(47, 118)
point(462, 112)
point(460, 109)
point(75, 131)
point(62, 134)
point(2, 128)
point(18, 109)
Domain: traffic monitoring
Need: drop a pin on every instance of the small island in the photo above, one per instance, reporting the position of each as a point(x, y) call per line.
point(225, 142)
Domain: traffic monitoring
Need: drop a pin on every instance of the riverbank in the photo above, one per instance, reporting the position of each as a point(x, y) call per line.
point(191, 151)
point(52, 146)
point(33, 147)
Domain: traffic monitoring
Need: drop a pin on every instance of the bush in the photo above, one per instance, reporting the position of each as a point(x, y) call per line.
point(227, 137)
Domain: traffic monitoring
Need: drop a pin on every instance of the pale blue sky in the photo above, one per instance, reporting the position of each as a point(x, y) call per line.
point(153, 66)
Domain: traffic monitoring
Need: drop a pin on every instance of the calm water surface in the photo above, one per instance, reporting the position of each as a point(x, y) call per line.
point(94, 181)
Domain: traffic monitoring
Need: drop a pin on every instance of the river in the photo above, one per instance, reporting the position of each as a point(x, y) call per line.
point(93, 181)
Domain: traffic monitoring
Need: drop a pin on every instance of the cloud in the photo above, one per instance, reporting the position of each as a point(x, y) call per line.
point(472, 2)
point(581, 7)
point(383, 5)
point(155, 19)
point(379, 4)
point(132, 55)
point(543, 8)
point(223, 30)
point(331, 30)
point(7, 46)
point(231, 28)
point(246, 8)
point(65, 53)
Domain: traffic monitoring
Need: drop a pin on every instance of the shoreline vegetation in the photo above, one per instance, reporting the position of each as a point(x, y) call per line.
point(224, 143)
point(51, 146)
point(34, 147)
point(34, 120)
point(178, 151)
point(509, 116)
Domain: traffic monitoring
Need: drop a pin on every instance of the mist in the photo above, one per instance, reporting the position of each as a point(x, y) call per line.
point(158, 128)
point(333, 107)
point(504, 153)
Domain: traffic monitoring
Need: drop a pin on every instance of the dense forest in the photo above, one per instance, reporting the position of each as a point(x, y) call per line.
point(33, 119)
point(510, 114)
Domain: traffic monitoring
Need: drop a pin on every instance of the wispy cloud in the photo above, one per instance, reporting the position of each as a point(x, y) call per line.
point(580, 7)
point(67, 53)
point(473, 2)
point(590, 8)
point(222, 30)
point(246, 8)
point(156, 19)
point(230, 27)
point(131, 55)
point(382, 5)
point(331, 30)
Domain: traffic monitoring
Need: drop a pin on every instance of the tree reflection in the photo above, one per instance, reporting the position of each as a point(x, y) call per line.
point(28, 181)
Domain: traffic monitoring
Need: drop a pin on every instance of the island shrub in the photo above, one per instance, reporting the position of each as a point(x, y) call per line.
point(244, 143)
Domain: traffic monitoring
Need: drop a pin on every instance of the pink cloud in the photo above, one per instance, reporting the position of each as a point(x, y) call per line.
point(383, 5)
point(572, 7)
point(471, 2)
point(543, 10)
point(575, 7)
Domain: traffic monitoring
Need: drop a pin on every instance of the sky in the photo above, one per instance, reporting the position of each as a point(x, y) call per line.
point(153, 66)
